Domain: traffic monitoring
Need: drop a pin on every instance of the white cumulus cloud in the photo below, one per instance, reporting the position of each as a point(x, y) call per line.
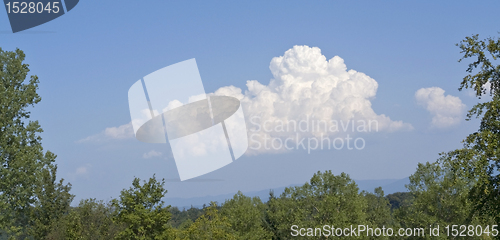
point(306, 86)
point(446, 110)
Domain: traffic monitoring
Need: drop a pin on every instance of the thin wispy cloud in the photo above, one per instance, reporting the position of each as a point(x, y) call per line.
point(122, 132)
point(152, 154)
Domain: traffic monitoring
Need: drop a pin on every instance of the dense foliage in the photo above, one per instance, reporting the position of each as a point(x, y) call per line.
point(462, 187)
point(30, 196)
point(327, 199)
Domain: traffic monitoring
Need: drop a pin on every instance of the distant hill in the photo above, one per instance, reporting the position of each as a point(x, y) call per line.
point(388, 185)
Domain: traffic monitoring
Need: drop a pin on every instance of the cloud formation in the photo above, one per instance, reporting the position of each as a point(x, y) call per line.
point(446, 110)
point(307, 86)
point(124, 131)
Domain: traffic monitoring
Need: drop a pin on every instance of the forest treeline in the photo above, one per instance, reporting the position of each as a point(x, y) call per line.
point(435, 198)
point(461, 188)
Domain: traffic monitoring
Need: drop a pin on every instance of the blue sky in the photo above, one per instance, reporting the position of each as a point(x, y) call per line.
point(88, 59)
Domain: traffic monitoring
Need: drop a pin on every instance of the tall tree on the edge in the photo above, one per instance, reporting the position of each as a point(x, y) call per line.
point(479, 160)
point(30, 196)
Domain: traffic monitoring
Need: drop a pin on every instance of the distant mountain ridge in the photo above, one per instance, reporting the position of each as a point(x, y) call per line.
point(388, 185)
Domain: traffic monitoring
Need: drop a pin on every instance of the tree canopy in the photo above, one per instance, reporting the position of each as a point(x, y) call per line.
point(461, 187)
point(479, 159)
point(30, 195)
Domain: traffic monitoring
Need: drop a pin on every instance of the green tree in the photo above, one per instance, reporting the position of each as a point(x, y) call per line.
point(185, 217)
point(246, 216)
point(479, 159)
point(30, 196)
point(52, 203)
point(92, 220)
point(326, 200)
point(396, 199)
point(210, 225)
point(378, 211)
point(142, 211)
point(440, 198)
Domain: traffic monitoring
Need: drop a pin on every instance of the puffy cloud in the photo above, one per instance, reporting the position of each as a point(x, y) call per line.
point(446, 110)
point(122, 132)
point(308, 87)
point(151, 154)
